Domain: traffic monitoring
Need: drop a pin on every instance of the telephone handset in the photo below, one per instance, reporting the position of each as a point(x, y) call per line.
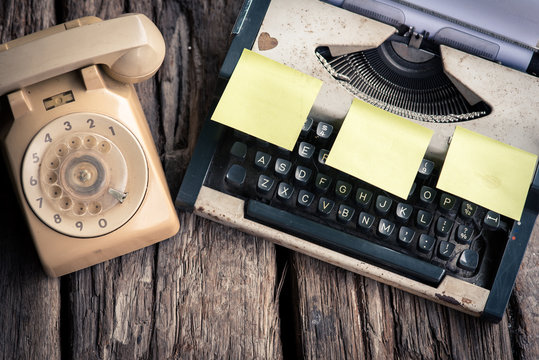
point(130, 46)
point(78, 146)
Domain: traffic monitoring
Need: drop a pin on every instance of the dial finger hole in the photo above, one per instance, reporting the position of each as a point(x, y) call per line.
point(90, 141)
point(55, 192)
point(64, 183)
point(66, 203)
point(53, 163)
point(51, 177)
point(79, 208)
point(95, 208)
point(75, 142)
point(104, 147)
point(61, 150)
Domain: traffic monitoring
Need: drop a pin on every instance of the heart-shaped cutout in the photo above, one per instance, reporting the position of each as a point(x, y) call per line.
point(266, 42)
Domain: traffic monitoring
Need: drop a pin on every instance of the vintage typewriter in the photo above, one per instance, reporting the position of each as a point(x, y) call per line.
point(412, 59)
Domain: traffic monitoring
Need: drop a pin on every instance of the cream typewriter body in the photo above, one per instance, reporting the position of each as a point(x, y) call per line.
point(78, 145)
point(511, 94)
point(315, 37)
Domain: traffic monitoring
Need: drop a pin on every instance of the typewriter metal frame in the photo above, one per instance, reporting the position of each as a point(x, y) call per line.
point(495, 84)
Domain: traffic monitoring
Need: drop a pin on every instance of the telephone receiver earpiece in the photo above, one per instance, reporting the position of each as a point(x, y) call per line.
point(130, 47)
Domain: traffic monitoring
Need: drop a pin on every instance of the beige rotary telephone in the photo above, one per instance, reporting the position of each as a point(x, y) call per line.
point(77, 143)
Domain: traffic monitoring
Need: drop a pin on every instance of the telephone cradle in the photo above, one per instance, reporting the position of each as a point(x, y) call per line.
point(77, 143)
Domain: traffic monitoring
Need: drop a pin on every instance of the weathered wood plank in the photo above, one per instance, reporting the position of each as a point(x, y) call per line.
point(331, 324)
point(210, 292)
point(29, 301)
point(344, 314)
point(215, 295)
point(525, 302)
point(110, 312)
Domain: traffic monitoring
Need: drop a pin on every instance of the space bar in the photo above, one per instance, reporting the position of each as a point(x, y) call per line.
point(352, 245)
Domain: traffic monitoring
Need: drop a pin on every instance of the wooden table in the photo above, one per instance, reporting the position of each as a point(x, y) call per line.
point(213, 292)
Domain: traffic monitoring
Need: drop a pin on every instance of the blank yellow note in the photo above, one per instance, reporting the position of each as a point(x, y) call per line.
point(487, 172)
point(267, 100)
point(380, 148)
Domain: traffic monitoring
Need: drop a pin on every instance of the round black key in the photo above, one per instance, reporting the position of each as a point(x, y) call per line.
point(426, 167)
point(265, 184)
point(445, 250)
point(262, 160)
point(443, 226)
point(363, 198)
point(322, 156)
point(325, 205)
point(427, 194)
point(239, 150)
point(464, 234)
point(322, 182)
point(492, 220)
point(383, 204)
point(306, 126)
point(406, 235)
point(306, 150)
point(467, 209)
point(343, 189)
point(305, 198)
point(385, 228)
point(426, 243)
point(235, 175)
point(365, 221)
point(424, 218)
point(303, 175)
point(468, 260)
point(403, 212)
point(324, 130)
point(282, 167)
point(345, 213)
point(284, 191)
point(447, 202)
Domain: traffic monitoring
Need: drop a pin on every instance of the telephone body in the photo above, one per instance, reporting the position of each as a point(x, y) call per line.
point(78, 145)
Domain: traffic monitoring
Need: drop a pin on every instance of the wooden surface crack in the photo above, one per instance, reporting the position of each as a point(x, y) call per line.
point(212, 292)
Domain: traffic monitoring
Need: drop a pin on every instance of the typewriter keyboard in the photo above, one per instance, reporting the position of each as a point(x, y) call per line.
point(426, 236)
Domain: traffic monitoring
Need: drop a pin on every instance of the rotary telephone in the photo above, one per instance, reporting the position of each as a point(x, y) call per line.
point(77, 143)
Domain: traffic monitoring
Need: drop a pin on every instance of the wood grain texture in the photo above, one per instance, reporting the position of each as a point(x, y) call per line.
point(213, 292)
point(29, 301)
point(220, 285)
point(345, 315)
point(525, 302)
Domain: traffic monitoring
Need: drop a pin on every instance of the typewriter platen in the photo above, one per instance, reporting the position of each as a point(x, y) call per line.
point(393, 67)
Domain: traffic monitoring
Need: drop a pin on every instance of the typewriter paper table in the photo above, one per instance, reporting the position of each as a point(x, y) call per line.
point(213, 292)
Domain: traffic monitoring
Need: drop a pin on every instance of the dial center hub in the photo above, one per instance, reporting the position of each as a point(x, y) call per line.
point(84, 174)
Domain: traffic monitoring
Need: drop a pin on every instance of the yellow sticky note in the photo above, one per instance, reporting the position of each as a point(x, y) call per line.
point(487, 172)
point(266, 99)
point(380, 148)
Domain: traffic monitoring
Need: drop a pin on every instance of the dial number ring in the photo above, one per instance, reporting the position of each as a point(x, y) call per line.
point(84, 174)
